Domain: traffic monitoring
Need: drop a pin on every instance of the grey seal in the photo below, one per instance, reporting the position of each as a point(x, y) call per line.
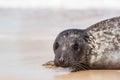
point(97, 47)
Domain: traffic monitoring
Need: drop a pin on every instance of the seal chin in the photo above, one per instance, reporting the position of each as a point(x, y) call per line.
point(61, 64)
point(64, 66)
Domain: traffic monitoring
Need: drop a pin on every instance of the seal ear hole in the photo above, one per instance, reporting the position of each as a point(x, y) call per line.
point(56, 46)
point(86, 38)
point(66, 34)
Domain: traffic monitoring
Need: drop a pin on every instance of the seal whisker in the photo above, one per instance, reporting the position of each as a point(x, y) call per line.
point(85, 66)
point(79, 66)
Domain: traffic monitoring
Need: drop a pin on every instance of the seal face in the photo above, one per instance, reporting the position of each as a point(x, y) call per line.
point(70, 49)
point(97, 47)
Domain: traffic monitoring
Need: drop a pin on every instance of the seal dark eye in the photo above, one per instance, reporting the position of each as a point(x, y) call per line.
point(56, 46)
point(75, 46)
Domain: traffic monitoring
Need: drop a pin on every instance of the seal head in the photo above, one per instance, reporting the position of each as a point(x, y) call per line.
point(70, 49)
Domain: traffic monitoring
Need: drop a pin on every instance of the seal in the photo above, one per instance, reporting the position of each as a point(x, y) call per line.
point(97, 47)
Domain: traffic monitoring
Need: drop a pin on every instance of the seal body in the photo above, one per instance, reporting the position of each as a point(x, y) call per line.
point(97, 47)
point(105, 44)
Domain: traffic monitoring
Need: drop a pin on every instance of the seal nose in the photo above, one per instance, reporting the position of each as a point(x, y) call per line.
point(61, 60)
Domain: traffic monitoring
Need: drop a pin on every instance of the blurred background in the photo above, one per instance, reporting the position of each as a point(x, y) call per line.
point(28, 29)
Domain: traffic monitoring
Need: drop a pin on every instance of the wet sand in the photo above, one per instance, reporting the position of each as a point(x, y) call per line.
point(26, 38)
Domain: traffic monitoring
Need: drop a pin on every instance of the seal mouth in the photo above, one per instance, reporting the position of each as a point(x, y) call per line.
point(65, 66)
point(62, 65)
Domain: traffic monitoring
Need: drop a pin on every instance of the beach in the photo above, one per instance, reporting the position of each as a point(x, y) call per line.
point(27, 37)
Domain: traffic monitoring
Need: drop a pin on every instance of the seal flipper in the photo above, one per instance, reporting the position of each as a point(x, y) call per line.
point(76, 69)
point(49, 63)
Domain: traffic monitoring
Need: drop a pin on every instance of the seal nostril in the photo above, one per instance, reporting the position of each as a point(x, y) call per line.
point(61, 60)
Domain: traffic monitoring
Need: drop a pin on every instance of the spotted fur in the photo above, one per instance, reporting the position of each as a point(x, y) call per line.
point(105, 44)
point(97, 47)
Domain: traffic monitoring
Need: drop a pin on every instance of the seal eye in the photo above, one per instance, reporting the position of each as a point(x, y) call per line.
point(56, 46)
point(75, 46)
